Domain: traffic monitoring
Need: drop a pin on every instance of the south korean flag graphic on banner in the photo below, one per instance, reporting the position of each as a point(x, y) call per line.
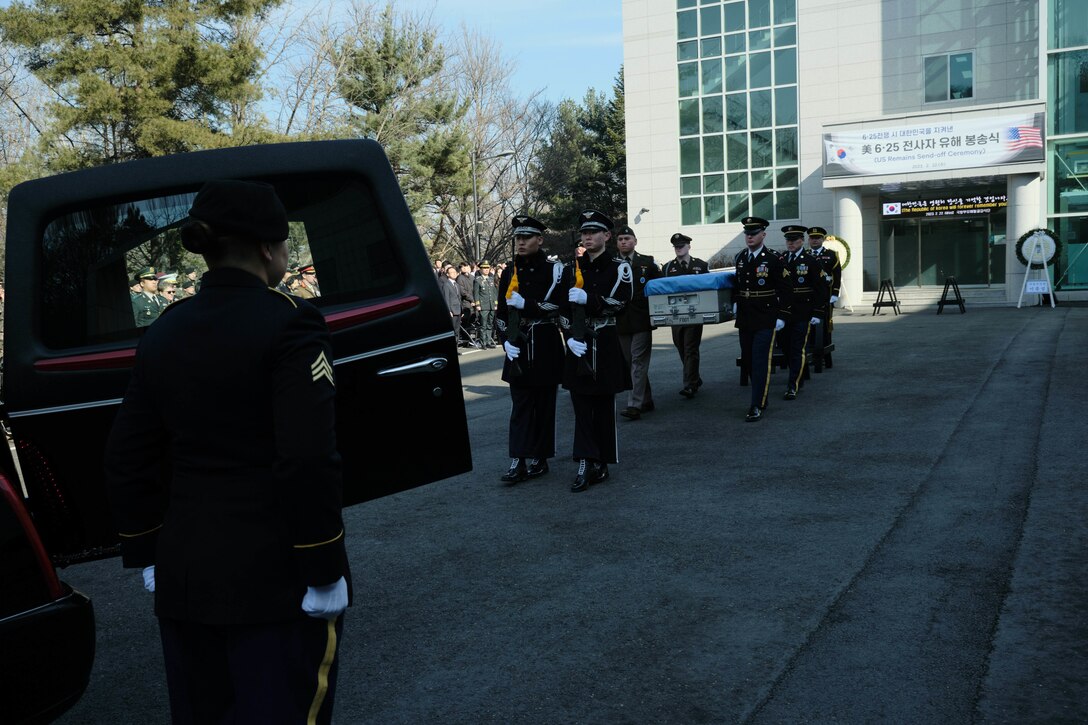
point(893, 209)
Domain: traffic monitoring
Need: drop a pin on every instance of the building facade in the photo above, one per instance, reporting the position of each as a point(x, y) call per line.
point(929, 135)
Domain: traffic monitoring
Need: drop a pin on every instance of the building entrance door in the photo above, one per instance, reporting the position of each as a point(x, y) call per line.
point(924, 252)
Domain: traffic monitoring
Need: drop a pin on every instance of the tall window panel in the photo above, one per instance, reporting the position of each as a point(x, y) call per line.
point(737, 72)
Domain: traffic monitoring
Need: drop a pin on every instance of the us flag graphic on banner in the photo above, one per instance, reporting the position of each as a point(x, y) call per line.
point(1022, 137)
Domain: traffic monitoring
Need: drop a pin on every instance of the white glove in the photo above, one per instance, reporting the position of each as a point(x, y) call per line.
point(149, 578)
point(734, 309)
point(779, 324)
point(326, 602)
point(814, 321)
point(577, 295)
point(516, 301)
point(511, 351)
point(576, 346)
point(834, 299)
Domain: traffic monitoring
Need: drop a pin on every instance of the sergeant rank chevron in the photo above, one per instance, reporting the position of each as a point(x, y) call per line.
point(322, 369)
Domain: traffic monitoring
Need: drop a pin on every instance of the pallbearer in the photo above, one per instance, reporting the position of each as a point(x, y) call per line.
point(530, 290)
point(686, 338)
point(829, 261)
point(808, 302)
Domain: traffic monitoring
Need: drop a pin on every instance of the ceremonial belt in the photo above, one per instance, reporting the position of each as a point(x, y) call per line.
point(598, 322)
point(802, 289)
point(757, 293)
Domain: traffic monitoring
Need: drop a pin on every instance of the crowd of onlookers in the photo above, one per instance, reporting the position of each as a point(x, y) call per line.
point(471, 293)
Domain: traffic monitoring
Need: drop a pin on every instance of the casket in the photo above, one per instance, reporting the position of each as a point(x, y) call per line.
point(691, 299)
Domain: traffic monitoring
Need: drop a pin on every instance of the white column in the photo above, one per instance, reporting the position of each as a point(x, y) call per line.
point(848, 225)
point(1024, 213)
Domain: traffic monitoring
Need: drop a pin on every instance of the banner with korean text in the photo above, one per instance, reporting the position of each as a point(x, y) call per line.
point(938, 146)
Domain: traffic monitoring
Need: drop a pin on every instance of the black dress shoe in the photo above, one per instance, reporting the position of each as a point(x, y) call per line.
point(536, 467)
point(754, 414)
point(647, 407)
point(688, 392)
point(790, 394)
point(598, 472)
point(631, 413)
point(581, 481)
point(517, 472)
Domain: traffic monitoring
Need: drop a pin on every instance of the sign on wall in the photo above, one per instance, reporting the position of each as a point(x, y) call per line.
point(952, 206)
point(937, 146)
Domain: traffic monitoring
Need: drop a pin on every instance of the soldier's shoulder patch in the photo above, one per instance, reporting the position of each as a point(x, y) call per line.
point(322, 368)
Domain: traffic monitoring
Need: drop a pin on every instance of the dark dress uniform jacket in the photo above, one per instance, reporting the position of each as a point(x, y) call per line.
point(604, 300)
point(635, 317)
point(222, 463)
point(541, 345)
point(809, 288)
point(761, 291)
point(829, 260)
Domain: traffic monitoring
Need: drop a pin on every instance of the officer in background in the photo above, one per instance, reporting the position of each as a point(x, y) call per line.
point(686, 338)
point(451, 293)
point(808, 303)
point(308, 288)
point(829, 261)
point(599, 286)
point(231, 503)
point(761, 304)
point(147, 305)
point(530, 292)
point(485, 298)
point(633, 325)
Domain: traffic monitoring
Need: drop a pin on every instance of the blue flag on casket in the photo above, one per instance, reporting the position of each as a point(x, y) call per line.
point(690, 283)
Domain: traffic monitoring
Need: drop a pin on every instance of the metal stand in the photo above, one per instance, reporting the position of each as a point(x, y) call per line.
point(1036, 286)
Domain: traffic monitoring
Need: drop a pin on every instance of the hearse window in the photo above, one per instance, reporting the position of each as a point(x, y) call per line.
point(108, 271)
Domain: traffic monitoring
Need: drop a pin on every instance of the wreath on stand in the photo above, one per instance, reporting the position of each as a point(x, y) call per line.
point(839, 245)
point(1051, 246)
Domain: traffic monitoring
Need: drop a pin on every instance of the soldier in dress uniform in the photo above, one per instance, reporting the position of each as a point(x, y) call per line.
point(829, 260)
point(808, 301)
point(599, 285)
point(686, 338)
point(231, 503)
point(147, 305)
point(308, 288)
point(633, 325)
point(485, 296)
point(530, 290)
point(761, 304)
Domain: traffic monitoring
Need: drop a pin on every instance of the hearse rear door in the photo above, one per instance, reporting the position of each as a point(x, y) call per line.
point(74, 243)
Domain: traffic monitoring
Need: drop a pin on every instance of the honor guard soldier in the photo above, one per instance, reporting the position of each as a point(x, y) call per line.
point(829, 260)
point(761, 304)
point(686, 338)
point(808, 301)
point(599, 285)
point(147, 305)
point(529, 295)
point(633, 325)
point(231, 503)
point(485, 296)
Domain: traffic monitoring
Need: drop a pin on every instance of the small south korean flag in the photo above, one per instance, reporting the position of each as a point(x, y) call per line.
point(893, 209)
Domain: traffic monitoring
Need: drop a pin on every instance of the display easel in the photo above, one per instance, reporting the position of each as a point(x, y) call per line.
point(1036, 286)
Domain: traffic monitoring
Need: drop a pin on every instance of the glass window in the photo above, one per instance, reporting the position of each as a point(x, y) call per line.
point(715, 210)
point(1068, 23)
point(687, 24)
point(689, 117)
point(961, 75)
point(714, 184)
point(1069, 179)
point(736, 78)
point(734, 17)
point(712, 115)
point(786, 177)
point(762, 179)
point(787, 206)
point(759, 70)
point(949, 77)
point(711, 20)
point(691, 210)
point(736, 111)
point(688, 50)
point(690, 185)
point(738, 207)
point(785, 11)
point(712, 47)
point(736, 145)
point(786, 35)
point(785, 66)
point(713, 153)
point(712, 76)
point(759, 13)
point(1067, 78)
point(735, 43)
point(936, 70)
point(760, 107)
point(689, 79)
point(689, 156)
point(738, 181)
point(759, 39)
point(785, 146)
point(681, 4)
point(785, 106)
point(763, 204)
point(762, 148)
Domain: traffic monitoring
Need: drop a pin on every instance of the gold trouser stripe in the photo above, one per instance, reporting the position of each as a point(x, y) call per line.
point(323, 674)
point(804, 358)
point(767, 380)
point(142, 533)
point(320, 543)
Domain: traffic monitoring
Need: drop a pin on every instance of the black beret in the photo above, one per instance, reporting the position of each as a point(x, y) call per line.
point(592, 220)
point(248, 209)
point(679, 240)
